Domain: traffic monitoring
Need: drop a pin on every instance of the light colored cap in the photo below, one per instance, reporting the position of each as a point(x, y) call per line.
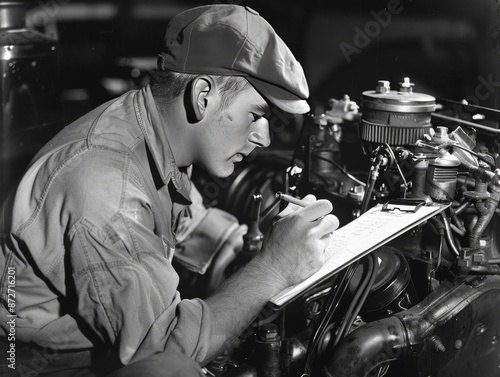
point(233, 40)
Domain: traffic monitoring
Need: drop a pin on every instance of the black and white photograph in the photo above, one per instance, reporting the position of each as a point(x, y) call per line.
point(248, 188)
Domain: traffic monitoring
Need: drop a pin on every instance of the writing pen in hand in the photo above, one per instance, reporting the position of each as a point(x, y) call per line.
point(293, 200)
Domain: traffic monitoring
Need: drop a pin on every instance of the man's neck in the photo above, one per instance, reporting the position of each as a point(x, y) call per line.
point(177, 131)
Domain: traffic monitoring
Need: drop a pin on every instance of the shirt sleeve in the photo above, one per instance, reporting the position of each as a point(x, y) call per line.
point(124, 283)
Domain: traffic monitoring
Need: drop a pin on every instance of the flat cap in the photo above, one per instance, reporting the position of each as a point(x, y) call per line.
point(234, 40)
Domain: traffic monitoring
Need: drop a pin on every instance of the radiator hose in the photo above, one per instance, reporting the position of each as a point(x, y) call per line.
point(368, 348)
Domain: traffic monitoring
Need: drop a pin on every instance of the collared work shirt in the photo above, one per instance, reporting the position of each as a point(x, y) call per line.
point(91, 244)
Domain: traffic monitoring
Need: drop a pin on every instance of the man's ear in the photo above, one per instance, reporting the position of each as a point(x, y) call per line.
point(202, 89)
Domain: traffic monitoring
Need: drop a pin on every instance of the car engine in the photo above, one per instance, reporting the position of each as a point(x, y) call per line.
point(422, 304)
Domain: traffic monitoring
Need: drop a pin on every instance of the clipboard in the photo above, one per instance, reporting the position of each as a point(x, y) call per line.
point(356, 239)
point(403, 205)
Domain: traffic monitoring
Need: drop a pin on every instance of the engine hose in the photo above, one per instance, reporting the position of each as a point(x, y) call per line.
point(459, 224)
point(334, 300)
point(466, 182)
point(486, 210)
point(376, 343)
point(366, 292)
point(449, 235)
point(349, 317)
point(462, 207)
point(371, 186)
point(438, 225)
point(369, 347)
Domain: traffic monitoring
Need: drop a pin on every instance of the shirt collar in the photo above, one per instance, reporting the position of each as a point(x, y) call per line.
point(154, 130)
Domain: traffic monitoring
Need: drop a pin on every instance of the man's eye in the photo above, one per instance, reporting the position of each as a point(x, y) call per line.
point(256, 117)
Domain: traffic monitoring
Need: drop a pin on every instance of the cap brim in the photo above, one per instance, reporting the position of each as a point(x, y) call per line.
point(279, 97)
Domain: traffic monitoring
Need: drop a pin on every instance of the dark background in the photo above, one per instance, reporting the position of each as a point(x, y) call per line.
point(449, 49)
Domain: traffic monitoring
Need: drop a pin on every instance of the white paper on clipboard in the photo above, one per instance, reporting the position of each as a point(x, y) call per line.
point(358, 238)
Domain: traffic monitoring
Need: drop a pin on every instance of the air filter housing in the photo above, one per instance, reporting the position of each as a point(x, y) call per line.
point(395, 117)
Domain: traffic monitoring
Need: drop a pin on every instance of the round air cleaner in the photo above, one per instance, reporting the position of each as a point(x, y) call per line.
point(395, 117)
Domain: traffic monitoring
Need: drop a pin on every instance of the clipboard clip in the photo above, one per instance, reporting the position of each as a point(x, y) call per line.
point(403, 205)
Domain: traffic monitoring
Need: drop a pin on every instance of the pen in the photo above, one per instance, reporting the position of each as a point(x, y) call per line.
point(291, 199)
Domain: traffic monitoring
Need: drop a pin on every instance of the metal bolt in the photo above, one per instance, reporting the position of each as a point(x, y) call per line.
point(406, 82)
point(218, 364)
point(437, 344)
point(383, 86)
point(458, 344)
point(481, 329)
point(406, 85)
point(442, 132)
point(314, 307)
point(269, 332)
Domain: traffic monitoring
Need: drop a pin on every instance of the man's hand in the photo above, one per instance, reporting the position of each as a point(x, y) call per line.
point(294, 246)
point(293, 249)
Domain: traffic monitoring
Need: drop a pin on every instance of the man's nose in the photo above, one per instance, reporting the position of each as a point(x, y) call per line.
point(260, 135)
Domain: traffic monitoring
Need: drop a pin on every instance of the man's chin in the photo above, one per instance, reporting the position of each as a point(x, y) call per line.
point(220, 171)
point(223, 173)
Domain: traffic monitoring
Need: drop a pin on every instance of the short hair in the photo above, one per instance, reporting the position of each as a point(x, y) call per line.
point(167, 85)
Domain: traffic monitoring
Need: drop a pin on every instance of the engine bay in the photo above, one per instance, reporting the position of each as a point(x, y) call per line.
point(423, 304)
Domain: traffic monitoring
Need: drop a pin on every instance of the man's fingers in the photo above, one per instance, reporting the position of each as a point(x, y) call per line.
point(310, 198)
point(316, 210)
point(290, 208)
point(327, 225)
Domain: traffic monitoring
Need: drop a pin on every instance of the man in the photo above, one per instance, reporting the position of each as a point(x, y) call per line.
point(90, 232)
